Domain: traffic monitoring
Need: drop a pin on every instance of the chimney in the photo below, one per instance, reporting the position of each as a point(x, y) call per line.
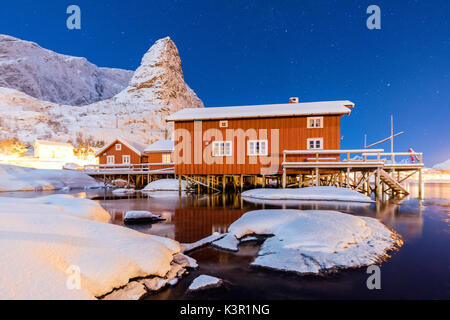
point(293, 100)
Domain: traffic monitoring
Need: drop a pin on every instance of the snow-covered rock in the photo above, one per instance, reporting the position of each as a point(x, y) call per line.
point(307, 193)
point(138, 112)
point(443, 165)
point(229, 242)
point(59, 247)
point(14, 178)
point(205, 282)
point(132, 291)
point(314, 241)
point(50, 76)
point(164, 185)
point(123, 191)
point(202, 242)
point(185, 261)
point(131, 216)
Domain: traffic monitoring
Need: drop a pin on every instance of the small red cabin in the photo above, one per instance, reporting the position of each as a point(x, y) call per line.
point(122, 151)
point(251, 139)
point(160, 152)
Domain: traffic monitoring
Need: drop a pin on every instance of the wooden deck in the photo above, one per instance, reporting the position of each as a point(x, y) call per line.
point(364, 170)
point(123, 169)
point(363, 163)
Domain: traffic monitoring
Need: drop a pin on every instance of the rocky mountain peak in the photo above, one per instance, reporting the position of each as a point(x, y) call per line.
point(160, 79)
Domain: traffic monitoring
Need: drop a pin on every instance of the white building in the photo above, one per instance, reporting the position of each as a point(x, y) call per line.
point(44, 149)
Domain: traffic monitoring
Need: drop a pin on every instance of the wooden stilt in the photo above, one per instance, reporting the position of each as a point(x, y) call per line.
point(421, 193)
point(378, 190)
point(317, 177)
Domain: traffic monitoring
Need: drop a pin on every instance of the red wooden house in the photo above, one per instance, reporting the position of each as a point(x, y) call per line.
point(122, 151)
point(250, 140)
point(160, 151)
point(160, 154)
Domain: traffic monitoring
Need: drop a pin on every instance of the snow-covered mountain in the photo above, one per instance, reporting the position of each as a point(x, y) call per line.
point(138, 112)
point(51, 76)
point(443, 165)
point(160, 79)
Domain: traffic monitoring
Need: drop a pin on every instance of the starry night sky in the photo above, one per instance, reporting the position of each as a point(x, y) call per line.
point(259, 52)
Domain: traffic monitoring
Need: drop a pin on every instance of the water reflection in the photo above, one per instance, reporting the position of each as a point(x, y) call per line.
point(191, 218)
point(418, 270)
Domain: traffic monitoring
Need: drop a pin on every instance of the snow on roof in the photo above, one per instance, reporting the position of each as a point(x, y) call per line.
point(160, 145)
point(53, 143)
point(264, 111)
point(137, 147)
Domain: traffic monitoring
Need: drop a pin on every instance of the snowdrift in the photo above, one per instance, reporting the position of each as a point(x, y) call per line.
point(47, 242)
point(308, 193)
point(164, 185)
point(14, 178)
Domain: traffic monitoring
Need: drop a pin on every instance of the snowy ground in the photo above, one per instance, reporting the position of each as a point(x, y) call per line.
point(313, 241)
point(308, 193)
point(49, 245)
point(164, 185)
point(13, 178)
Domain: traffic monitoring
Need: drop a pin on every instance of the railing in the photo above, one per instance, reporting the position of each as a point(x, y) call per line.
point(130, 168)
point(358, 155)
point(412, 157)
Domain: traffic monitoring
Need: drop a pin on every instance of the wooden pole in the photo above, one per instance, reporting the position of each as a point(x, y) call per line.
point(378, 190)
point(242, 182)
point(421, 193)
point(317, 177)
point(179, 185)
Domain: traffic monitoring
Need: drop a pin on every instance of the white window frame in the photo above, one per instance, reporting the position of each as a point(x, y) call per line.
point(166, 158)
point(308, 141)
point(309, 126)
point(223, 124)
point(221, 152)
point(126, 156)
point(108, 160)
point(118, 147)
point(253, 152)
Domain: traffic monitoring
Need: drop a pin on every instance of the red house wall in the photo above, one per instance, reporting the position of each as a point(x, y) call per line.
point(293, 135)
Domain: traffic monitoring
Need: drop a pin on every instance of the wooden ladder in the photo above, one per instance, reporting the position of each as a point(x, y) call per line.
point(392, 183)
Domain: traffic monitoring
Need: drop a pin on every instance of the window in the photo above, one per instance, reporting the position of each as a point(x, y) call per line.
point(224, 124)
point(126, 159)
point(222, 148)
point(166, 158)
point(110, 160)
point(315, 122)
point(118, 147)
point(315, 144)
point(257, 148)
